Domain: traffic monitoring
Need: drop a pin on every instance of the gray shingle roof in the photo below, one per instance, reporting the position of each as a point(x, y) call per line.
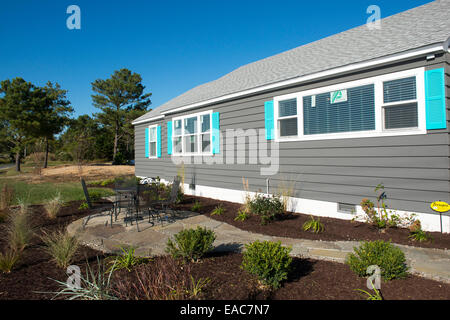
point(415, 28)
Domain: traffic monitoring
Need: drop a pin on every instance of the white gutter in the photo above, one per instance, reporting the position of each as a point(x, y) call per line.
point(298, 80)
point(147, 120)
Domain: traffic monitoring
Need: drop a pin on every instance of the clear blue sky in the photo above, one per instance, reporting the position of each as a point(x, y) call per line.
point(174, 45)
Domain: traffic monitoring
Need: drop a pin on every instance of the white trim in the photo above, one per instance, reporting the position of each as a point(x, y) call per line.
point(147, 120)
point(198, 135)
point(297, 80)
point(377, 81)
point(149, 141)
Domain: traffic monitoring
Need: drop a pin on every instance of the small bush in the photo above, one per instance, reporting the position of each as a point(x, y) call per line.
point(242, 215)
point(83, 206)
point(389, 258)
point(8, 260)
point(420, 235)
point(61, 246)
point(191, 244)
point(219, 210)
point(269, 261)
point(197, 206)
point(95, 195)
point(53, 206)
point(268, 208)
point(314, 225)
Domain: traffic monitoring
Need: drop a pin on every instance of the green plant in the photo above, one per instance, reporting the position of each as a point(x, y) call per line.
point(19, 231)
point(191, 244)
point(420, 235)
point(106, 182)
point(371, 296)
point(197, 206)
point(218, 210)
point(389, 258)
point(268, 208)
point(93, 286)
point(53, 206)
point(8, 260)
point(242, 215)
point(95, 195)
point(83, 206)
point(314, 225)
point(61, 247)
point(197, 286)
point(127, 260)
point(269, 261)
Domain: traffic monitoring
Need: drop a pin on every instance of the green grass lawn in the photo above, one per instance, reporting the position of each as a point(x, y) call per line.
point(40, 193)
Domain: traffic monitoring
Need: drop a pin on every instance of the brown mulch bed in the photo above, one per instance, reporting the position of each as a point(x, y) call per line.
point(35, 269)
point(308, 280)
point(291, 226)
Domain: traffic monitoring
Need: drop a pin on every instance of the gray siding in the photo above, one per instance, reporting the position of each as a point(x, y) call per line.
point(414, 169)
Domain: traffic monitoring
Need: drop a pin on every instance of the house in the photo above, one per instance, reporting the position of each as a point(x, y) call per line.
point(333, 118)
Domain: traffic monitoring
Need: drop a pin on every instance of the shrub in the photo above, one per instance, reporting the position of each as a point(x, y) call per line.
point(127, 260)
point(61, 246)
point(389, 258)
point(196, 207)
point(242, 215)
point(191, 244)
point(95, 195)
point(19, 231)
point(8, 260)
point(53, 206)
point(218, 210)
point(83, 206)
point(119, 159)
point(268, 208)
point(269, 261)
point(314, 225)
point(420, 235)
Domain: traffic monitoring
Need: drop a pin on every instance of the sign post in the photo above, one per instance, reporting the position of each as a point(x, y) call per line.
point(441, 207)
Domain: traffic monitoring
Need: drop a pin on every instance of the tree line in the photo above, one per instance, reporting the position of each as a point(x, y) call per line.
point(38, 120)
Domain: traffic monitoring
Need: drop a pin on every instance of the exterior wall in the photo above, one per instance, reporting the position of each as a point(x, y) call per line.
point(414, 169)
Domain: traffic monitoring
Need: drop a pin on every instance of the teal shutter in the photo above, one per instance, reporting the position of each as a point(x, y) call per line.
point(215, 133)
point(435, 99)
point(147, 153)
point(269, 120)
point(158, 141)
point(169, 137)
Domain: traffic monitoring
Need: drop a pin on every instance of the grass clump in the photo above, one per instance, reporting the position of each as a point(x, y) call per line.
point(191, 244)
point(6, 197)
point(313, 225)
point(242, 215)
point(267, 260)
point(19, 231)
point(219, 210)
point(197, 206)
point(61, 246)
point(8, 260)
point(53, 206)
point(389, 258)
point(127, 260)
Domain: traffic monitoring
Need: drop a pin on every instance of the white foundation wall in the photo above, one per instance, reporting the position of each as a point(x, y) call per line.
point(429, 222)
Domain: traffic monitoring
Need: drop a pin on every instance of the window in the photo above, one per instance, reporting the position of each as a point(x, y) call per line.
point(192, 134)
point(346, 110)
point(153, 142)
point(287, 118)
point(400, 104)
point(386, 105)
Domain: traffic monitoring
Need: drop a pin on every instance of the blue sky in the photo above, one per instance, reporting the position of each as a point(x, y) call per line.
point(173, 45)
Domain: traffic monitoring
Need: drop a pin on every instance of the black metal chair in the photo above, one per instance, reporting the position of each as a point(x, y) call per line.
point(165, 204)
point(97, 208)
point(126, 198)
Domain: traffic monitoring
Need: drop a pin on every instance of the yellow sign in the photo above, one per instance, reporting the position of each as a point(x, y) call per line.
point(440, 206)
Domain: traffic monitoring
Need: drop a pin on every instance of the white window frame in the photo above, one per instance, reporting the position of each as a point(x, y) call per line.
point(379, 131)
point(155, 126)
point(198, 135)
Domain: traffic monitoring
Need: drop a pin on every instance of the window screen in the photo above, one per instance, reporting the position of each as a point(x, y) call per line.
point(399, 90)
point(401, 116)
point(355, 113)
point(288, 127)
point(287, 108)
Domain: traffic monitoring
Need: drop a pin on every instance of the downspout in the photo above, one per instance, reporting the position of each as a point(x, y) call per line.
point(446, 45)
